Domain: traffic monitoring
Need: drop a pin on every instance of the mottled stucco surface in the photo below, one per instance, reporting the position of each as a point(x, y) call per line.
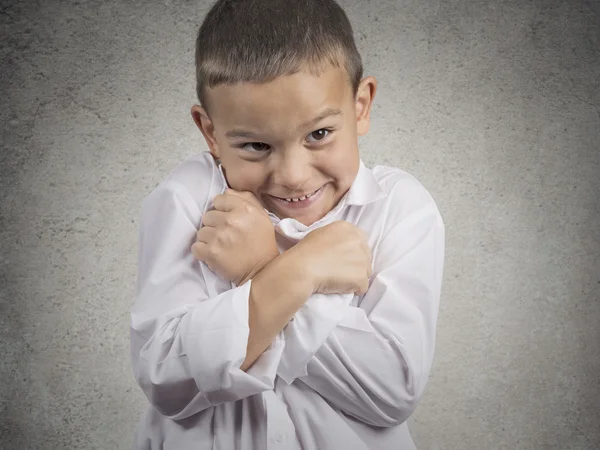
point(492, 105)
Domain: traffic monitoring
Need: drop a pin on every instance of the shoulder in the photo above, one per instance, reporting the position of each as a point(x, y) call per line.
point(403, 191)
point(405, 197)
point(189, 181)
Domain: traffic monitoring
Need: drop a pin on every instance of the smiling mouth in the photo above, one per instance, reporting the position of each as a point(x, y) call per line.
point(298, 199)
point(299, 202)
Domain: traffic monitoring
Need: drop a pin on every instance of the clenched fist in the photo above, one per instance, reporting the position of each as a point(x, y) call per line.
point(237, 238)
point(336, 258)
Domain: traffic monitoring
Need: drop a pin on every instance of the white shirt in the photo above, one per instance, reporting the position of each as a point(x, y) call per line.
point(344, 374)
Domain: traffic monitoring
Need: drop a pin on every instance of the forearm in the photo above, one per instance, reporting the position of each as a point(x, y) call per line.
point(276, 293)
point(369, 373)
point(375, 363)
point(188, 357)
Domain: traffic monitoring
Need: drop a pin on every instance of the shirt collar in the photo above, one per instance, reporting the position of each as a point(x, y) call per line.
point(365, 189)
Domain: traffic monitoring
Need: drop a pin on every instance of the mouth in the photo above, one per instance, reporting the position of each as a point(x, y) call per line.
point(299, 202)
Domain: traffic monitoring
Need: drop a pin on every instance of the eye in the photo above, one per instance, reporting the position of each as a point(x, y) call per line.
point(255, 146)
point(318, 135)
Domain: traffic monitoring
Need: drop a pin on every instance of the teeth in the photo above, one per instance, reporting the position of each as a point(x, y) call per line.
point(301, 198)
point(297, 199)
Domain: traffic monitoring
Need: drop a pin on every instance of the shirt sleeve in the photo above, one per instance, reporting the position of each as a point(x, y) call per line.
point(374, 360)
point(187, 341)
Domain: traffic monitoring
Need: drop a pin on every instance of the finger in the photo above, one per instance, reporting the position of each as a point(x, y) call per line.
point(214, 218)
point(252, 199)
point(245, 195)
point(200, 251)
point(227, 202)
point(206, 234)
point(205, 253)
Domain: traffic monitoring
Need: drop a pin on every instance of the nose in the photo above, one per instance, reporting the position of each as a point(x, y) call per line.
point(292, 170)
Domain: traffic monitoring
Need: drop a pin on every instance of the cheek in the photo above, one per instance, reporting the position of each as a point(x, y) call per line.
point(242, 177)
point(344, 162)
point(350, 169)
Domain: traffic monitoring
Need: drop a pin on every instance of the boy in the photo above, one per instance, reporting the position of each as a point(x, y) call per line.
point(287, 294)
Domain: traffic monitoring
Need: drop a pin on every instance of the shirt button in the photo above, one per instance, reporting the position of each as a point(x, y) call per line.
point(279, 438)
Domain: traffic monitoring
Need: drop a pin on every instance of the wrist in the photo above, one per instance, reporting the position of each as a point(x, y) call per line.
point(296, 265)
point(259, 267)
point(288, 269)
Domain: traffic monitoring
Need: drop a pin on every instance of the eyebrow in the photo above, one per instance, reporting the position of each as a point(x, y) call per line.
point(238, 133)
point(327, 113)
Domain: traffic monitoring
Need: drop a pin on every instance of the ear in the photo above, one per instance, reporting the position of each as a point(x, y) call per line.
point(205, 124)
point(364, 100)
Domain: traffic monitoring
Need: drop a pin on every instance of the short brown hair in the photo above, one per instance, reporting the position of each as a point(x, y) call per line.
point(259, 40)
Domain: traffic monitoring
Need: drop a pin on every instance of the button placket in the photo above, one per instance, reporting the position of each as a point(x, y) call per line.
point(281, 434)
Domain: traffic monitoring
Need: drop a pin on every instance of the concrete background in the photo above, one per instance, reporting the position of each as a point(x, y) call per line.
point(493, 105)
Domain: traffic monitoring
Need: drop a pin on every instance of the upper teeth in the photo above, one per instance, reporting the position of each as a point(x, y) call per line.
point(301, 198)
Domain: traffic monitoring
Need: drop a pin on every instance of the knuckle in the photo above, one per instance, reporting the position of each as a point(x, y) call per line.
point(229, 220)
point(360, 234)
point(210, 251)
point(219, 239)
point(234, 221)
point(338, 224)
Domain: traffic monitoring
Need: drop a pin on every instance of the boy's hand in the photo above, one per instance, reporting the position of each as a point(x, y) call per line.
point(336, 258)
point(237, 238)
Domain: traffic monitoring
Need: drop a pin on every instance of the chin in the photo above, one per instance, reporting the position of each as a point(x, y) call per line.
point(310, 218)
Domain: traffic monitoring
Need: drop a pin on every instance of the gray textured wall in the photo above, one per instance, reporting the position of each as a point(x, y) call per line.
point(493, 105)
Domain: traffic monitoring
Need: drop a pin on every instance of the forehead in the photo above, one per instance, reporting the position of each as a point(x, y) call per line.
point(286, 100)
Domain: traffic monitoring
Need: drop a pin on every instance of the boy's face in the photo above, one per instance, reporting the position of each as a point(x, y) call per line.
point(291, 137)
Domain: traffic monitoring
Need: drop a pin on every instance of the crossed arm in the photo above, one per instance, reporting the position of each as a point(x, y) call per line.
point(192, 350)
